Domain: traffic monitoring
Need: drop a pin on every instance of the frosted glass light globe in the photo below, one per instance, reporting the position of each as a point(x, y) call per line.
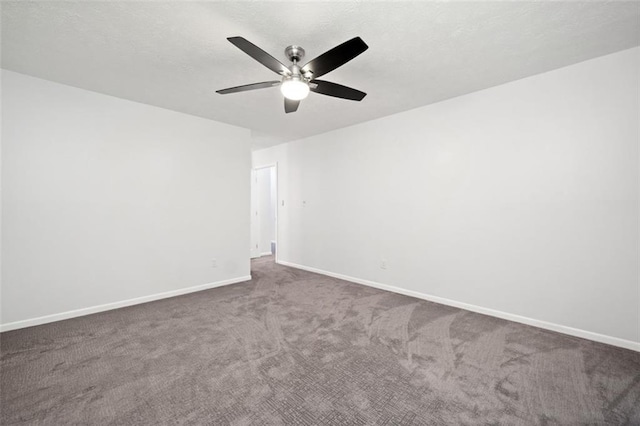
point(294, 89)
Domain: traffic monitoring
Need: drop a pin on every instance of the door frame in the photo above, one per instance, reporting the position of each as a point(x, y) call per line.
point(254, 171)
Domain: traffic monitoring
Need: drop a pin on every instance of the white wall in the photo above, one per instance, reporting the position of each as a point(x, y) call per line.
point(273, 199)
point(522, 198)
point(106, 200)
point(266, 209)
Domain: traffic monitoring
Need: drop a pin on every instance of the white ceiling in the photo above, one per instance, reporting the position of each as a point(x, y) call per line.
point(175, 54)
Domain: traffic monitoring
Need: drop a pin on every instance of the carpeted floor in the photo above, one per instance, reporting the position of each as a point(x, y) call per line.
point(296, 348)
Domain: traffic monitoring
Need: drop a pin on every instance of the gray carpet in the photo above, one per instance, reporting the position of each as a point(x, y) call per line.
point(296, 348)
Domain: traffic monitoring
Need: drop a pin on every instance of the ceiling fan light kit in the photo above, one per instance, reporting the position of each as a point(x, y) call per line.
point(298, 81)
point(294, 88)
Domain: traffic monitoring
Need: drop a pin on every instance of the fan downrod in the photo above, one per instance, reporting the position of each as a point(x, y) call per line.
point(294, 53)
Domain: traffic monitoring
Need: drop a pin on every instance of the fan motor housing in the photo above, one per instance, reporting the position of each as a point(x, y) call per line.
point(294, 53)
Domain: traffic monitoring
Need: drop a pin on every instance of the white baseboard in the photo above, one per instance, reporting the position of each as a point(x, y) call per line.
point(602, 338)
point(266, 253)
point(115, 305)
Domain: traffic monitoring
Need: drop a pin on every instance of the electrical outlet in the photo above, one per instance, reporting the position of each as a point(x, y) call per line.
point(214, 263)
point(383, 264)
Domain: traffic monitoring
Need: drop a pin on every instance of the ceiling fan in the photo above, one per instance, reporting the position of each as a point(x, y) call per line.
point(297, 81)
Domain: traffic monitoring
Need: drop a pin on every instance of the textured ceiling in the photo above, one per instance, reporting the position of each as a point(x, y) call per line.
point(175, 54)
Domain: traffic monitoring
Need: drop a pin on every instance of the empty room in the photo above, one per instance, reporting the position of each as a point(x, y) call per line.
point(320, 213)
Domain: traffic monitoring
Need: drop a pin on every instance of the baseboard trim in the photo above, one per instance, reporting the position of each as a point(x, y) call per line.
point(266, 253)
point(601, 338)
point(115, 305)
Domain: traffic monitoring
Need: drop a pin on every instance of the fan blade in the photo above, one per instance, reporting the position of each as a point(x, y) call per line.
point(337, 90)
point(290, 106)
point(335, 57)
point(254, 86)
point(260, 55)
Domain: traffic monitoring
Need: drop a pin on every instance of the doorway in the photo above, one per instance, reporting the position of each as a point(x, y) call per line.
point(264, 217)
